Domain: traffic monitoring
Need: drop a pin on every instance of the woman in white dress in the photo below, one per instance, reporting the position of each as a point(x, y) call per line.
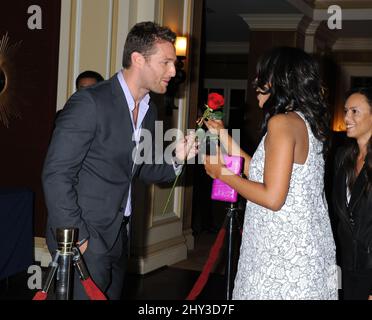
point(287, 250)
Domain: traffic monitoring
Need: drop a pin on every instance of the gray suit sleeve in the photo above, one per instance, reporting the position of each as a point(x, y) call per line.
point(72, 137)
point(151, 172)
point(157, 173)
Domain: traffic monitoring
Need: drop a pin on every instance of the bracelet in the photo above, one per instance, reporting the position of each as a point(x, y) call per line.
point(176, 161)
point(81, 242)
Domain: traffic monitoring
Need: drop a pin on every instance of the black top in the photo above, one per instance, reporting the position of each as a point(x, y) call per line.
point(354, 228)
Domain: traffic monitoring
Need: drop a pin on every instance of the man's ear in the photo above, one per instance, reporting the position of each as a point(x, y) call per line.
point(138, 59)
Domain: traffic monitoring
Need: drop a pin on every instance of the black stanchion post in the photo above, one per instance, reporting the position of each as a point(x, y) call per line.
point(232, 236)
point(52, 269)
point(79, 265)
point(65, 240)
point(67, 254)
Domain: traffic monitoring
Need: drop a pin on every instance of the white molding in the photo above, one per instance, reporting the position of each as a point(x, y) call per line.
point(122, 31)
point(303, 7)
point(322, 14)
point(181, 114)
point(109, 40)
point(179, 190)
point(316, 34)
point(228, 47)
point(357, 69)
point(168, 255)
point(326, 36)
point(307, 26)
point(163, 230)
point(79, 12)
point(63, 59)
point(353, 44)
point(272, 21)
point(159, 11)
point(146, 10)
point(347, 14)
point(185, 19)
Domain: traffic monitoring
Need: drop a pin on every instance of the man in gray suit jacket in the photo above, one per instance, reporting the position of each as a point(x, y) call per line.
point(89, 168)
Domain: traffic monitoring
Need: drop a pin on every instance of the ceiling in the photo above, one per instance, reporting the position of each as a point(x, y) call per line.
point(225, 24)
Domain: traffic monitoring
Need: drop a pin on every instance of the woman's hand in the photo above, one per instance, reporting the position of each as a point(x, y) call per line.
point(215, 165)
point(187, 148)
point(214, 126)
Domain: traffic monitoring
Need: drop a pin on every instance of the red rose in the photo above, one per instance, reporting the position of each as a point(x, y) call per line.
point(215, 101)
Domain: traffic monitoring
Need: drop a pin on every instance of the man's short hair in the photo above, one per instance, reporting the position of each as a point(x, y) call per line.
point(142, 38)
point(88, 74)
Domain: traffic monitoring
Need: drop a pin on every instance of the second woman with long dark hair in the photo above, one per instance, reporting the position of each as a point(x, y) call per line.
point(352, 197)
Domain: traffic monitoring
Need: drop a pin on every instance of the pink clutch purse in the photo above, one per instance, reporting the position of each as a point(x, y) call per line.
point(220, 190)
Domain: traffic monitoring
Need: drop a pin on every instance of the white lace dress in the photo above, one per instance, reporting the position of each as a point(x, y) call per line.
point(289, 254)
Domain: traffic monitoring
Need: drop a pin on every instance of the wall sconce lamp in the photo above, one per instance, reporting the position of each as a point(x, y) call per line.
point(180, 77)
point(181, 46)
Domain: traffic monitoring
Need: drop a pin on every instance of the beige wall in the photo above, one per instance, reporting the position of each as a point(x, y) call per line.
point(93, 33)
point(173, 15)
point(95, 36)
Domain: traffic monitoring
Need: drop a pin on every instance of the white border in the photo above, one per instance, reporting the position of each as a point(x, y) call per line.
point(63, 59)
point(109, 39)
point(79, 12)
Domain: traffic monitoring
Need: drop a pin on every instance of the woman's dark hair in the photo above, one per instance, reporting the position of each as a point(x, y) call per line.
point(142, 38)
point(292, 78)
point(352, 149)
